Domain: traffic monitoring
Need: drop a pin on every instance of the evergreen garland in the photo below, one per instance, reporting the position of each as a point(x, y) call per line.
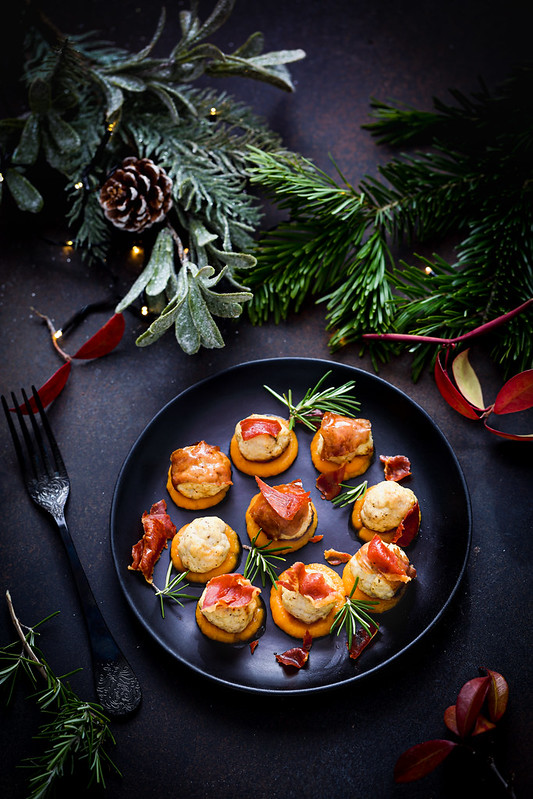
point(476, 179)
point(91, 104)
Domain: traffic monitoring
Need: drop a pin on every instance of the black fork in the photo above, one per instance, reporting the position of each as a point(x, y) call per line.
point(48, 484)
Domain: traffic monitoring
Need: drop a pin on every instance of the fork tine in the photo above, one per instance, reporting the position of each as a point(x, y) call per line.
point(59, 464)
point(16, 441)
point(41, 464)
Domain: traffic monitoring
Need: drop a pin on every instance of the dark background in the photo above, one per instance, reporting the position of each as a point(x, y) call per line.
point(193, 737)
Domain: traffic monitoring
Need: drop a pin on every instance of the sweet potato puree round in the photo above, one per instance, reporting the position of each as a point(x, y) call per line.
point(265, 468)
point(251, 631)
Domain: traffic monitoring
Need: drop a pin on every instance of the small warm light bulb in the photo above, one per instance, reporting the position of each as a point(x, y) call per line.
point(1, 177)
point(58, 334)
point(69, 243)
point(78, 185)
point(185, 250)
point(111, 126)
point(144, 310)
point(429, 271)
point(136, 250)
point(213, 111)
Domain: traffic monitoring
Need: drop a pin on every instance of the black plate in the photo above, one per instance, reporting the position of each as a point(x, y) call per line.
point(209, 410)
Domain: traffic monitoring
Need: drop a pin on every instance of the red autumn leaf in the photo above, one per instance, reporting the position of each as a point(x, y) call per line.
point(482, 724)
point(469, 703)
point(52, 388)
point(498, 695)
point(422, 759)
point(516, 394)
point(510, 436)
point(450, 719)
point(450, 393)
point(467, 380)
point(104, 340)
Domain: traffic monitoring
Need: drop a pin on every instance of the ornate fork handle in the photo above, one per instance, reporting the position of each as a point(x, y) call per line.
point(117, 687)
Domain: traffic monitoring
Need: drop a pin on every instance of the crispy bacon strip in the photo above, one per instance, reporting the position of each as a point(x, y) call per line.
point(360, 640)
point(298, 655)
point(396, 467)
point(383, 558)
point(334, 558)
point(342, 434)
point(408, 527)
point(286, 500)
point(316, 538)
point(250, 428)
point(306, 582)
point(158, 528)
point(229, 590)
point(253, 646)
point(329, 484)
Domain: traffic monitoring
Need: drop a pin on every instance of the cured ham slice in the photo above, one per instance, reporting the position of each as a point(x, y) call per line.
point(229, 591)
point(158, 528)
point(200, 463)
point(396, 467)
point(252, 427)
point(342, 435)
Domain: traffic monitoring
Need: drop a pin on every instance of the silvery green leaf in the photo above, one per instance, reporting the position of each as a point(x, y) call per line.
point(64, 135)
point(251, 47)
point(128, 82)
point(27, 149)
point(186, 333)
point(201, 235)
point(161, 263)
point(156, 267)
point(237, 260)
point(114, 95)
point(24, 193)
point(277, 57)
point(219, 15)
point(166, 99)
point(202, 319)
point(161, 324)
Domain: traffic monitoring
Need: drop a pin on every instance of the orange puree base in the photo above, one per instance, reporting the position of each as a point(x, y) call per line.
point(194, 504)
point(265, 468)
point(248, 634)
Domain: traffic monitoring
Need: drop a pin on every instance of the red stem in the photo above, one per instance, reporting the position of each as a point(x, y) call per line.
point(478, 331)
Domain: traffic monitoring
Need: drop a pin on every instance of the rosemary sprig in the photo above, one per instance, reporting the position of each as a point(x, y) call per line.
point(173, 589)
point(352, 613)
point(76, 732)
point(350, 495)
point(259, 561)
point(316, 401)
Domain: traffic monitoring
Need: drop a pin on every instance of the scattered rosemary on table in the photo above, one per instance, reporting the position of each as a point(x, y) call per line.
point(350, 495)
point(352, 613)
point(76, 733)
point(317, 400)
point(173, 589)
point(259, 561)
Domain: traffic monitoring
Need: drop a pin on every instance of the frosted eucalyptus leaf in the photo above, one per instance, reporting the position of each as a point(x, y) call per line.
point(114, 96)
point(64, 135)
point(201, 235)
point(128, 83)
point(24, 193)
point(160, 325)
point(187, 335)
point(203, 321)
point(27, 149)
point(251, 47)
point(217, 18)
point(236, 260)
point(161, 263)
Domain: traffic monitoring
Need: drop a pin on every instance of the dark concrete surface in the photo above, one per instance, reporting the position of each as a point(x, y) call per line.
point(191, 737)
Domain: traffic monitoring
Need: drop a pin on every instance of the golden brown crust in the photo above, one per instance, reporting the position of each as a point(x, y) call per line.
point(194, 504)
point(381, 605)
point(265, 468)
point(228, 565)
point(252, 629)
point(297, 628)
point(358, 465)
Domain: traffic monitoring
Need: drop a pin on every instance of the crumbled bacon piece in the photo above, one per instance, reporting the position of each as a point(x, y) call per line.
point(297, 656)
point(253, 645)
point(334, 558)
point(250, 428)
point(329, 484)
point(396, 467)
point(307, 582)
point(158, 527)
point(408, 527)
point(229, 590)
point(360, 640)
point(316, 538)
point(385, 560)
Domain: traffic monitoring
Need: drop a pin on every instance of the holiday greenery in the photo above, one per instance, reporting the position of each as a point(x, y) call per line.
point(92, 104)
point(475, 180)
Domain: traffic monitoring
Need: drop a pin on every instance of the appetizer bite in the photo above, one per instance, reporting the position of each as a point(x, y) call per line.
point(305, 599)
point(230, 609)
point(282, 514)
point(158, 527)
point(342, 442)
point(199, 476)
point(382, 572)
point(263, 445)
point(388, 510)
point(205, 548)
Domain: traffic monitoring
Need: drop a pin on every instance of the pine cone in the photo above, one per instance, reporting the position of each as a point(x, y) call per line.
point(136, 195)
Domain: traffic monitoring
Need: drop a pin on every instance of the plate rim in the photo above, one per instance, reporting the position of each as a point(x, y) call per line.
point(305, 689)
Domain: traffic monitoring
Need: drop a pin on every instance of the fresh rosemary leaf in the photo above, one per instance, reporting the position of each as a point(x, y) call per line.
point(259, 561)
point(318, 400)
point(350, 495)
point(352, 613)
point(173, 589)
